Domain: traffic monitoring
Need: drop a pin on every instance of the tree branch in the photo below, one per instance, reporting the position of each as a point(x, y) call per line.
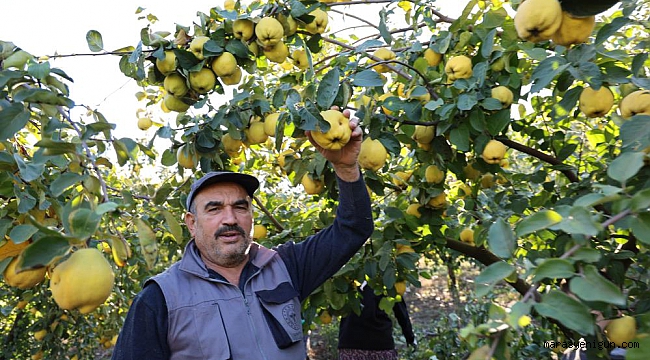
point(540, 155)
point(268, 213)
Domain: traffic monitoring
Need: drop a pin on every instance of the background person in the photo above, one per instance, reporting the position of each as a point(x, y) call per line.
point(369, 336)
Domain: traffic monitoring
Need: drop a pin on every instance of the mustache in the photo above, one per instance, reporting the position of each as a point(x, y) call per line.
point(228, 228)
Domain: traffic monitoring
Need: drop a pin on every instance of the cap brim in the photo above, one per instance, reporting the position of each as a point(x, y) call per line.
point(248, 182)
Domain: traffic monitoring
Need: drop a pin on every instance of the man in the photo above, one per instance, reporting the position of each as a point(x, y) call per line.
point(230, 298)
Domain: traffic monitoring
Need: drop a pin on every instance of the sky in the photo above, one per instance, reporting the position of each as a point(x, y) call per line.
point(45, 27)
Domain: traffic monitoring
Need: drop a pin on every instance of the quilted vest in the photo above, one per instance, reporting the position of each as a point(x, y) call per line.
point(213, 319)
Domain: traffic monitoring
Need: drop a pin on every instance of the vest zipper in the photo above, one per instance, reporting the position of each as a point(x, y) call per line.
point(250, 317)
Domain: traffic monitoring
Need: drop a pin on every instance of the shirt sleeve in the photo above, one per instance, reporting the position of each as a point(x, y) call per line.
point(402, 315)
point(144, 333)
point(320, 256)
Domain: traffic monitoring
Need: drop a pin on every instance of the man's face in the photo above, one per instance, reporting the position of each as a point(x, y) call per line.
point(221, 224)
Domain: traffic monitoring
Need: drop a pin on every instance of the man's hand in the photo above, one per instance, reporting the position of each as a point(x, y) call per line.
point(344, 160)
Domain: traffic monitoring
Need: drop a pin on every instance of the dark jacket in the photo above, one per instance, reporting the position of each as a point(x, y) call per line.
point(373, 328)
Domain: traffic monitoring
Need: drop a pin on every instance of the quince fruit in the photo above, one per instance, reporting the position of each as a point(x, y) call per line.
point(319, 24)
point(325, 317)
point(83, 281)
point(196, 46)
point(424, 134)
point(231, 145)
point(338, 134)
point(167, 65)
point(270, 123)
point(187, 157)
point(494, 151)
point(470, 172)
point(433, 58)
point(439, 201)
point(636, 103)
point(229, 5)
point(467, 236)
point(144, 123)
point(175, 84)
point(288, 23)
point(300, 59)
point(243, 29)
point(312, 186)
point(383, 54)
point(433, 174)
point(276, 53)
point(400, 287)
point(203, 81)
point(233, 79)
point(259, 232)
point(372, 155)
point(573, 30)
point(255, 133)
point(224, 64)
point(269, 31)
point(538, 20)
point(459, 67)
point(504, 95)
point(621, 330)
point(383, 98)
point(596, 103)
point(401, 178)
point(414, 209)
point(487, 181)
point(25, 279)
point(173, 103)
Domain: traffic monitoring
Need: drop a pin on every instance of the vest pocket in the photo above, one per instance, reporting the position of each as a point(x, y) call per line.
point(211, 339)
point(281, 310)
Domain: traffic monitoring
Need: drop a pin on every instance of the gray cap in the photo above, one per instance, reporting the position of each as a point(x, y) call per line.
point(248, 182)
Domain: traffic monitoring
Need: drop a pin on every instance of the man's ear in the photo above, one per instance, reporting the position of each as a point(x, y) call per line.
point(190, 222)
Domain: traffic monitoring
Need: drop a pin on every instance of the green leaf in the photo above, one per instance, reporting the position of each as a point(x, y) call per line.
point(554, 269)
point(83, 223)
point(538, 221)
point(12, 119)
point(501, 239)
point(460, 137)
point(94, 40)
point(42, 251)
point(635, 134)
point(121, 151)
point(173, 226)
point(640, 201)
point(148, 243)
point(22, 233)
point(546, 71)
point(580, 221)
point(28, 171)
point(103, 208)
point(625, 166)
point(383, 28)
point(53, 147)
point(466, 101)
point(64, 181)
point(591, 286)
point(367, 78)
point(495, 272)
point(642, 352)
point(498, 121)
point(586, 255)
point(567, 310)
point(328, 88)
point(640, 226)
